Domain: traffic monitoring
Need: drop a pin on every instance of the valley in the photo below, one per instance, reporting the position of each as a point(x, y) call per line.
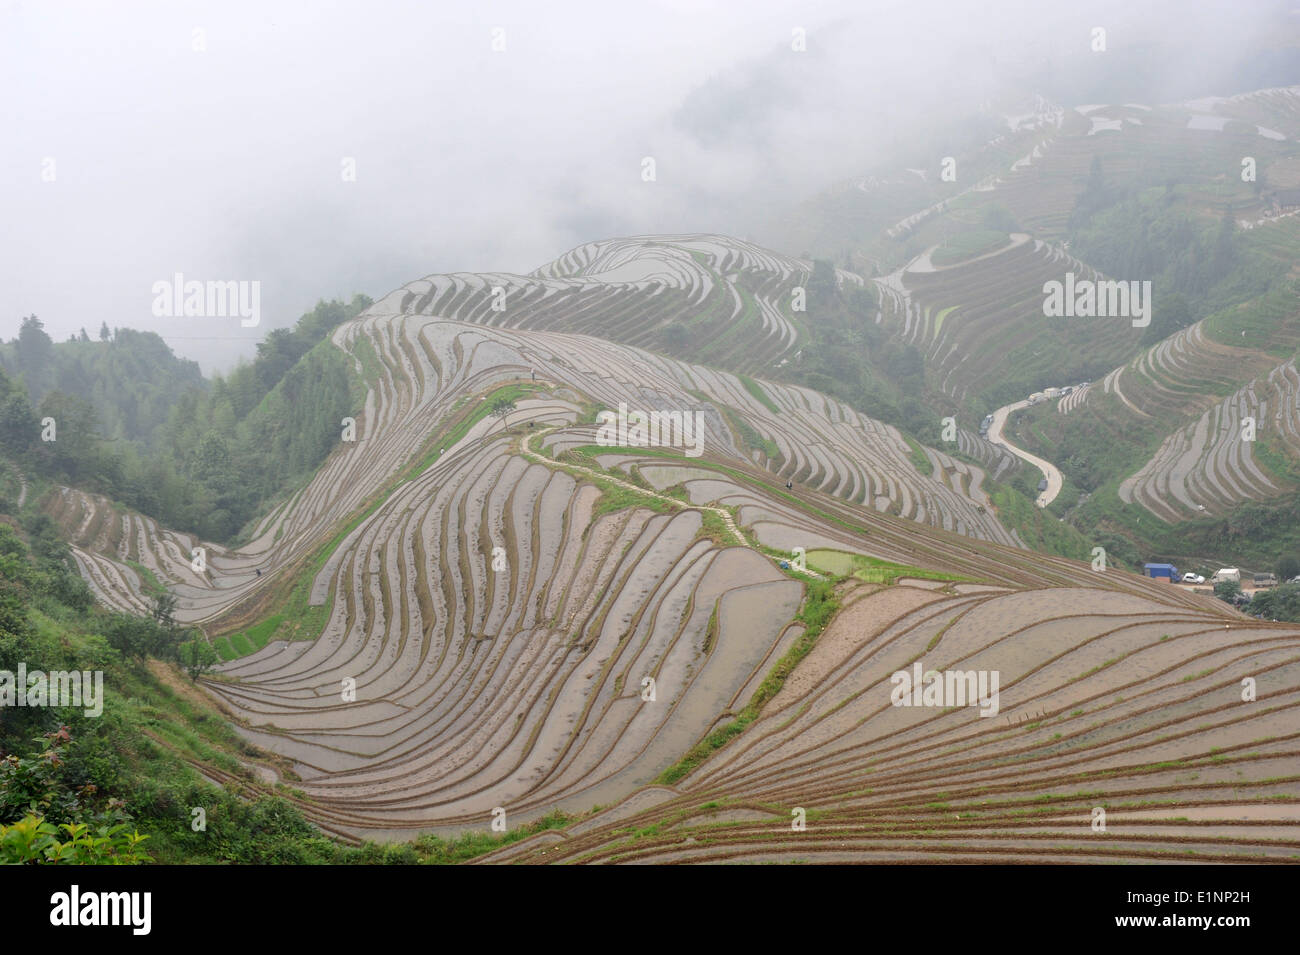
point(820, 497)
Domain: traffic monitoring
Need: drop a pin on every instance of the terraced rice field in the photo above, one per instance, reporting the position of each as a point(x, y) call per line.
point(720, 300)
point(1074, 399)
point(1128, 138)
point(518, 686)
point(1028, 137)
point(124, 555)
point(426, 369)
point(1209, 466)
point(1275, 113)
point(1198, 389)
point(1112, 703)
point(997, 459)
point(983, 320)
point(1180, 373)
point(463, 613)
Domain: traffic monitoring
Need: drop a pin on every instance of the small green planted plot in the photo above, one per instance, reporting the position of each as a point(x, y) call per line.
point(835, 562)
point(920, 460)
point(755, 389)
point(870, 569)
point(260, 634)
point(968, 245)
point(147, 578)
point(241, 644)
point(942, 314)
point(250, 640)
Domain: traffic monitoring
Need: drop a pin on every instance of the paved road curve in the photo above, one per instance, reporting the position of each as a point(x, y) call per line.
point(1050, 470)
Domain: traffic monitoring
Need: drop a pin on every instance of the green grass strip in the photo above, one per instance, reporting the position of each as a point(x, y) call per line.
point(755, 389)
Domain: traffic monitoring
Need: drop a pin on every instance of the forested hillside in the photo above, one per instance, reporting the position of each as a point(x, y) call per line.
point(131, 378)
point(136, 423)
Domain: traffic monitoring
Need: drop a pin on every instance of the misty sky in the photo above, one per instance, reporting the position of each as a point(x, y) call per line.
point(224, 162)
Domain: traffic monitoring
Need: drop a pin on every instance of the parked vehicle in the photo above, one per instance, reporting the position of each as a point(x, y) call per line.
point(1265, 580)
point(1193, 579)
point(1226, 573)
point(1161, 572)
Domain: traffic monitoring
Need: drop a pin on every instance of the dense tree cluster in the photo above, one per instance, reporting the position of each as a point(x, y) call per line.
point(1277, 603)
point(850, 357)
point(1139, 232)
point(144, 427)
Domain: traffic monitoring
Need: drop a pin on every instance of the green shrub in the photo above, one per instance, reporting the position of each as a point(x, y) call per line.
point(32, 840)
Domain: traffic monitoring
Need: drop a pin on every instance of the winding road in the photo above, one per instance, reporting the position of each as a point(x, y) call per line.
point(1050, 470)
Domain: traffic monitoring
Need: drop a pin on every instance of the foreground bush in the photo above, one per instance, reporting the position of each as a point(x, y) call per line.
point(32, 840)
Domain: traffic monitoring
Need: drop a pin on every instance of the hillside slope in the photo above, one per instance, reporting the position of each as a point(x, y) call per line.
point(1122, 735)
point(424, 370)
point(719, 300)
point(459, 613)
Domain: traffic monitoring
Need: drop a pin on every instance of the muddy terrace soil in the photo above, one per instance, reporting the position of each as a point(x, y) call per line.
point(1160, 740)
point(498, 604)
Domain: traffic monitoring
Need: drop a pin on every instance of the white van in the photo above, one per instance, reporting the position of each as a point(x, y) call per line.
point(1226, 573)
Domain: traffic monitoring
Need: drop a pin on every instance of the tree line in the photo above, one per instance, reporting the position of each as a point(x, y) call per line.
point(136, 423)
